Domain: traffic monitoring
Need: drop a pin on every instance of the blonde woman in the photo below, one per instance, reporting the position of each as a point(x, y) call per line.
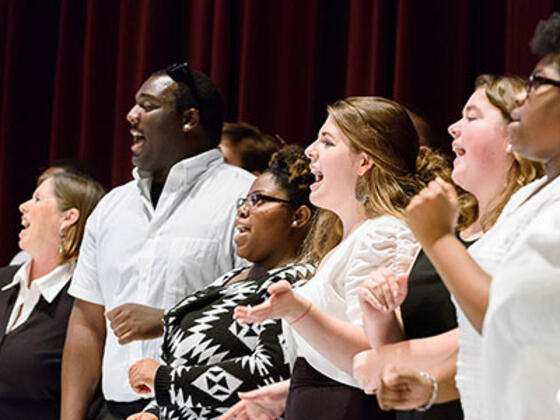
point(34, 303)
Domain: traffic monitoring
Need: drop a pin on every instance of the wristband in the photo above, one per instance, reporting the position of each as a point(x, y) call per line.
point(302, 315)
point(432, 399)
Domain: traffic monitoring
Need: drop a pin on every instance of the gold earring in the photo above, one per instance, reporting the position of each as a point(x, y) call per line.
point(62, 237)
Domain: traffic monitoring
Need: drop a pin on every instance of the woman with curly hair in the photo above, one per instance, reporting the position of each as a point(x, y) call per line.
point(208, 356)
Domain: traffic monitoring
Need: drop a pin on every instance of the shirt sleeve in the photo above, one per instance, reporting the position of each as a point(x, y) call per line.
point(387, 242)
point(85, 284)
point(217, 384)
point(526, 286)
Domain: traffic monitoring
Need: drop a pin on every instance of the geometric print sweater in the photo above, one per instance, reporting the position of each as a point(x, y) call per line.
point(209, 357)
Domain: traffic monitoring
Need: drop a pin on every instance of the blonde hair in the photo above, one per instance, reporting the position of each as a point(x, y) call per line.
point(77, 191)
point(501, 92)
point(383, 129)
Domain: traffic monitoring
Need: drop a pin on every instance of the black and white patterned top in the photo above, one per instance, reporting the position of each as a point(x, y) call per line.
point(209, 357)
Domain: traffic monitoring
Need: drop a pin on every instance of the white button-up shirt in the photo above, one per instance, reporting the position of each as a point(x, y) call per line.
point(48, 286)
point(133, 253)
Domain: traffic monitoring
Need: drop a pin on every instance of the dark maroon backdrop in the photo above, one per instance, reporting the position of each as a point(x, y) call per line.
point(69, 68)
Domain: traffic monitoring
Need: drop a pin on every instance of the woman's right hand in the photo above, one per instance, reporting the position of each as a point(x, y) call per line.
point(433, 213)
point(383, 291)
point(266, 403)
point(142, 416)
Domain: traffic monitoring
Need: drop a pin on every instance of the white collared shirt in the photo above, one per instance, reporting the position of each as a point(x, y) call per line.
point(133, 253)
point(48, 286)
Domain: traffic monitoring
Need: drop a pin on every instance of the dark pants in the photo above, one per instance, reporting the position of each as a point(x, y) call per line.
point(316, 396)
point(111, 410)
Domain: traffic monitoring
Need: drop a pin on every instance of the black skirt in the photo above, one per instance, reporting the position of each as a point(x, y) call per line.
point(315, 396)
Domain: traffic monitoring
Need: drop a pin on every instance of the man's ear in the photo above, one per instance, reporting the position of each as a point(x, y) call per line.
point(364, 164)
point(190, 120)
point(301, 216)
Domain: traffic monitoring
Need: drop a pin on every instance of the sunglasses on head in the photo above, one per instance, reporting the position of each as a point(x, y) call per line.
point(181, 72)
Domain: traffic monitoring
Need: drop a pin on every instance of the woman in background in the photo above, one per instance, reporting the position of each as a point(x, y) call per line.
point(34, 304)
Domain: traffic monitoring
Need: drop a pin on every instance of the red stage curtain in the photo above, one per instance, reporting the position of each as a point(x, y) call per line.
point(69, 69)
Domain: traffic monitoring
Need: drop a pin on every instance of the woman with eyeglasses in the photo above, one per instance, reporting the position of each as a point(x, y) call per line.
point(508, 285)
point(368, 164)
point(209, 357)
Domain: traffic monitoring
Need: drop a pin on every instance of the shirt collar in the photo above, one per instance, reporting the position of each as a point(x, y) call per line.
point(48, 285)
point(187, 171)
point(20, 277)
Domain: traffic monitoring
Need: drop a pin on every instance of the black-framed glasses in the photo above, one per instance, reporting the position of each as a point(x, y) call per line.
point(256, 199)
point(534, 82)
point(181, 72)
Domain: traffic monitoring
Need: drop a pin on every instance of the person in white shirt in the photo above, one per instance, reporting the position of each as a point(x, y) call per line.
point(34, 303)
point(514, 305)
point(152, 241)
point(367, 164)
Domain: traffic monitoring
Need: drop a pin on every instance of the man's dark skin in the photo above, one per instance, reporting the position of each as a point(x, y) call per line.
point(162, 137)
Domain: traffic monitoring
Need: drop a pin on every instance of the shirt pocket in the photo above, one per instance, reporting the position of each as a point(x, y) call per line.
point(191, 266)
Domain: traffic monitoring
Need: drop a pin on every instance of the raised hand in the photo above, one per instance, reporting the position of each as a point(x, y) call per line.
point(282, 303)
point(433, 212)
point(132, 321)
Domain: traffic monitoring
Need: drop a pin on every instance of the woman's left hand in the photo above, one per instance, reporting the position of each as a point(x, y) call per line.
point(282, 303)
point(383, 290)
point(142, 375)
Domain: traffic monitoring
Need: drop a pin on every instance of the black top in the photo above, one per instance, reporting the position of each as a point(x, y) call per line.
point(427, 311)
point(31, 354)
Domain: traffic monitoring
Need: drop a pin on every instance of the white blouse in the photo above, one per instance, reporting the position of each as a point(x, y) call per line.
point(383, 241)
point(48, 286)
point(521, 331)
point(490, 252)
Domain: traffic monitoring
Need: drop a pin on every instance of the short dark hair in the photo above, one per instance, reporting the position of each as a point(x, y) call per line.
point(547, 38)
point(210, 103)
point(254, 147)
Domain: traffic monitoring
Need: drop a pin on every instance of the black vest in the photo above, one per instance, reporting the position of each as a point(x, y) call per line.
point(31, 355)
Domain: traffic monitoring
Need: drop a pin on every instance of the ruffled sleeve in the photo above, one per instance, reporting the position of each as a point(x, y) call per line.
point(385, 241)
